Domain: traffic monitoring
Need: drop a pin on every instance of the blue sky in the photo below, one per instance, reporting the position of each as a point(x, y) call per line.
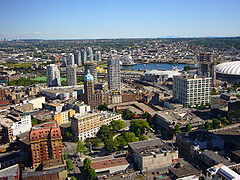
point(83, 19)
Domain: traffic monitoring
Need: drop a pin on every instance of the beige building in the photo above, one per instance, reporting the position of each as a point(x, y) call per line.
point(152, 154)
point(87, 125)
point(63, 117)
point(37, 102)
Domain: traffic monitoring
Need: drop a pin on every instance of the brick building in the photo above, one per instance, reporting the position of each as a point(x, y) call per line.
point(45, 142)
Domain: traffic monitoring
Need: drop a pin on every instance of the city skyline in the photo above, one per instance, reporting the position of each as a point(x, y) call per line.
point(119, 19)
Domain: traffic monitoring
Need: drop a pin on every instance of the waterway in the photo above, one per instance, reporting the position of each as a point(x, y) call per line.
point(151, 66)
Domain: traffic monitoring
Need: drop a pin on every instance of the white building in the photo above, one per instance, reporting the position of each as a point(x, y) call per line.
point(114, 74)
point(18, 123)
point(191, 91)
point(77, 58)
point(37, 102)
point(70, 59)
point(71, 75)
point(53, 75)
point(221, 171)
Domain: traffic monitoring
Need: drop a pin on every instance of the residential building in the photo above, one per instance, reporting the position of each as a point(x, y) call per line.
point(83, 56)
point(46, 142)
point(70, 59)
point(221, 171)
point(16, 123)
point(86, 126)
point(192, 91)
point(37, 102)
point(71, 75)
point(77, 58)
point(98, 56)
point(152, 154)
point(89, 54)
point(56, 107)
point(53, 75)
point(63, 117)
point(114, 75)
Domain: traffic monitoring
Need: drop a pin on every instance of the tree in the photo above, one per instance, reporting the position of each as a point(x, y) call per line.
point(215, 123)
point(207, 125)
point(139, 127)
point(126, 138)
point(93, 141)
point(117, 125)
point(81, 148)
point(127, 114)
point(104, 133)
point(177, 128)
point(224, 121)
point(188, 127)
point(142, 138)
point(73, 178)
point(102, 107)
point(69, 165)
point(88, 171)
point(110, 145)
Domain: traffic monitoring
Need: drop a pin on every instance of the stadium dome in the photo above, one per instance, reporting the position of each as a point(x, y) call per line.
point(229, 71)
point(231, 68)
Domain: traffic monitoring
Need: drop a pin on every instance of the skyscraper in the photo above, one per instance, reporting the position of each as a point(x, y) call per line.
point(72, 75)
point(64, 60)
point(70, 59)
point(88, 86)
point(92, 67)
point(98, 56)
point(53, 75)
point(77, 58)
point(83, 56)
point(89, 54)
point(46, 142)
point(114, 75)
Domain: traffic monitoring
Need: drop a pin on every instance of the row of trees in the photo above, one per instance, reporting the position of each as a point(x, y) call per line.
point(216, 123)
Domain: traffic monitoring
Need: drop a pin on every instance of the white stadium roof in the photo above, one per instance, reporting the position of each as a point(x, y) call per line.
point(230, 68)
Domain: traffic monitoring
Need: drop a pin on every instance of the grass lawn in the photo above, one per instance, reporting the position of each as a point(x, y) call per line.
point(45, 79)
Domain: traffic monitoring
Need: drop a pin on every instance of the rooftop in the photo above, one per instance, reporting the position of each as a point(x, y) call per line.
point(9, 171)
point(109, 163)
point(186, 170)
point(151, 147)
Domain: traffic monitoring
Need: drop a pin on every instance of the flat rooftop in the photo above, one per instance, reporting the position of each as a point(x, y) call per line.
point(151, 147)
point(109, 163)
point(186, 170)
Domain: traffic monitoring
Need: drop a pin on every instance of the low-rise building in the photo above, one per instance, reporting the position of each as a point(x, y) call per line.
point(221, 171)
point(152, 154)
point(63, 117)
point(190, 143)
point(12, 172)
point(57, 107)
point(115, 165)
point(16, 122)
